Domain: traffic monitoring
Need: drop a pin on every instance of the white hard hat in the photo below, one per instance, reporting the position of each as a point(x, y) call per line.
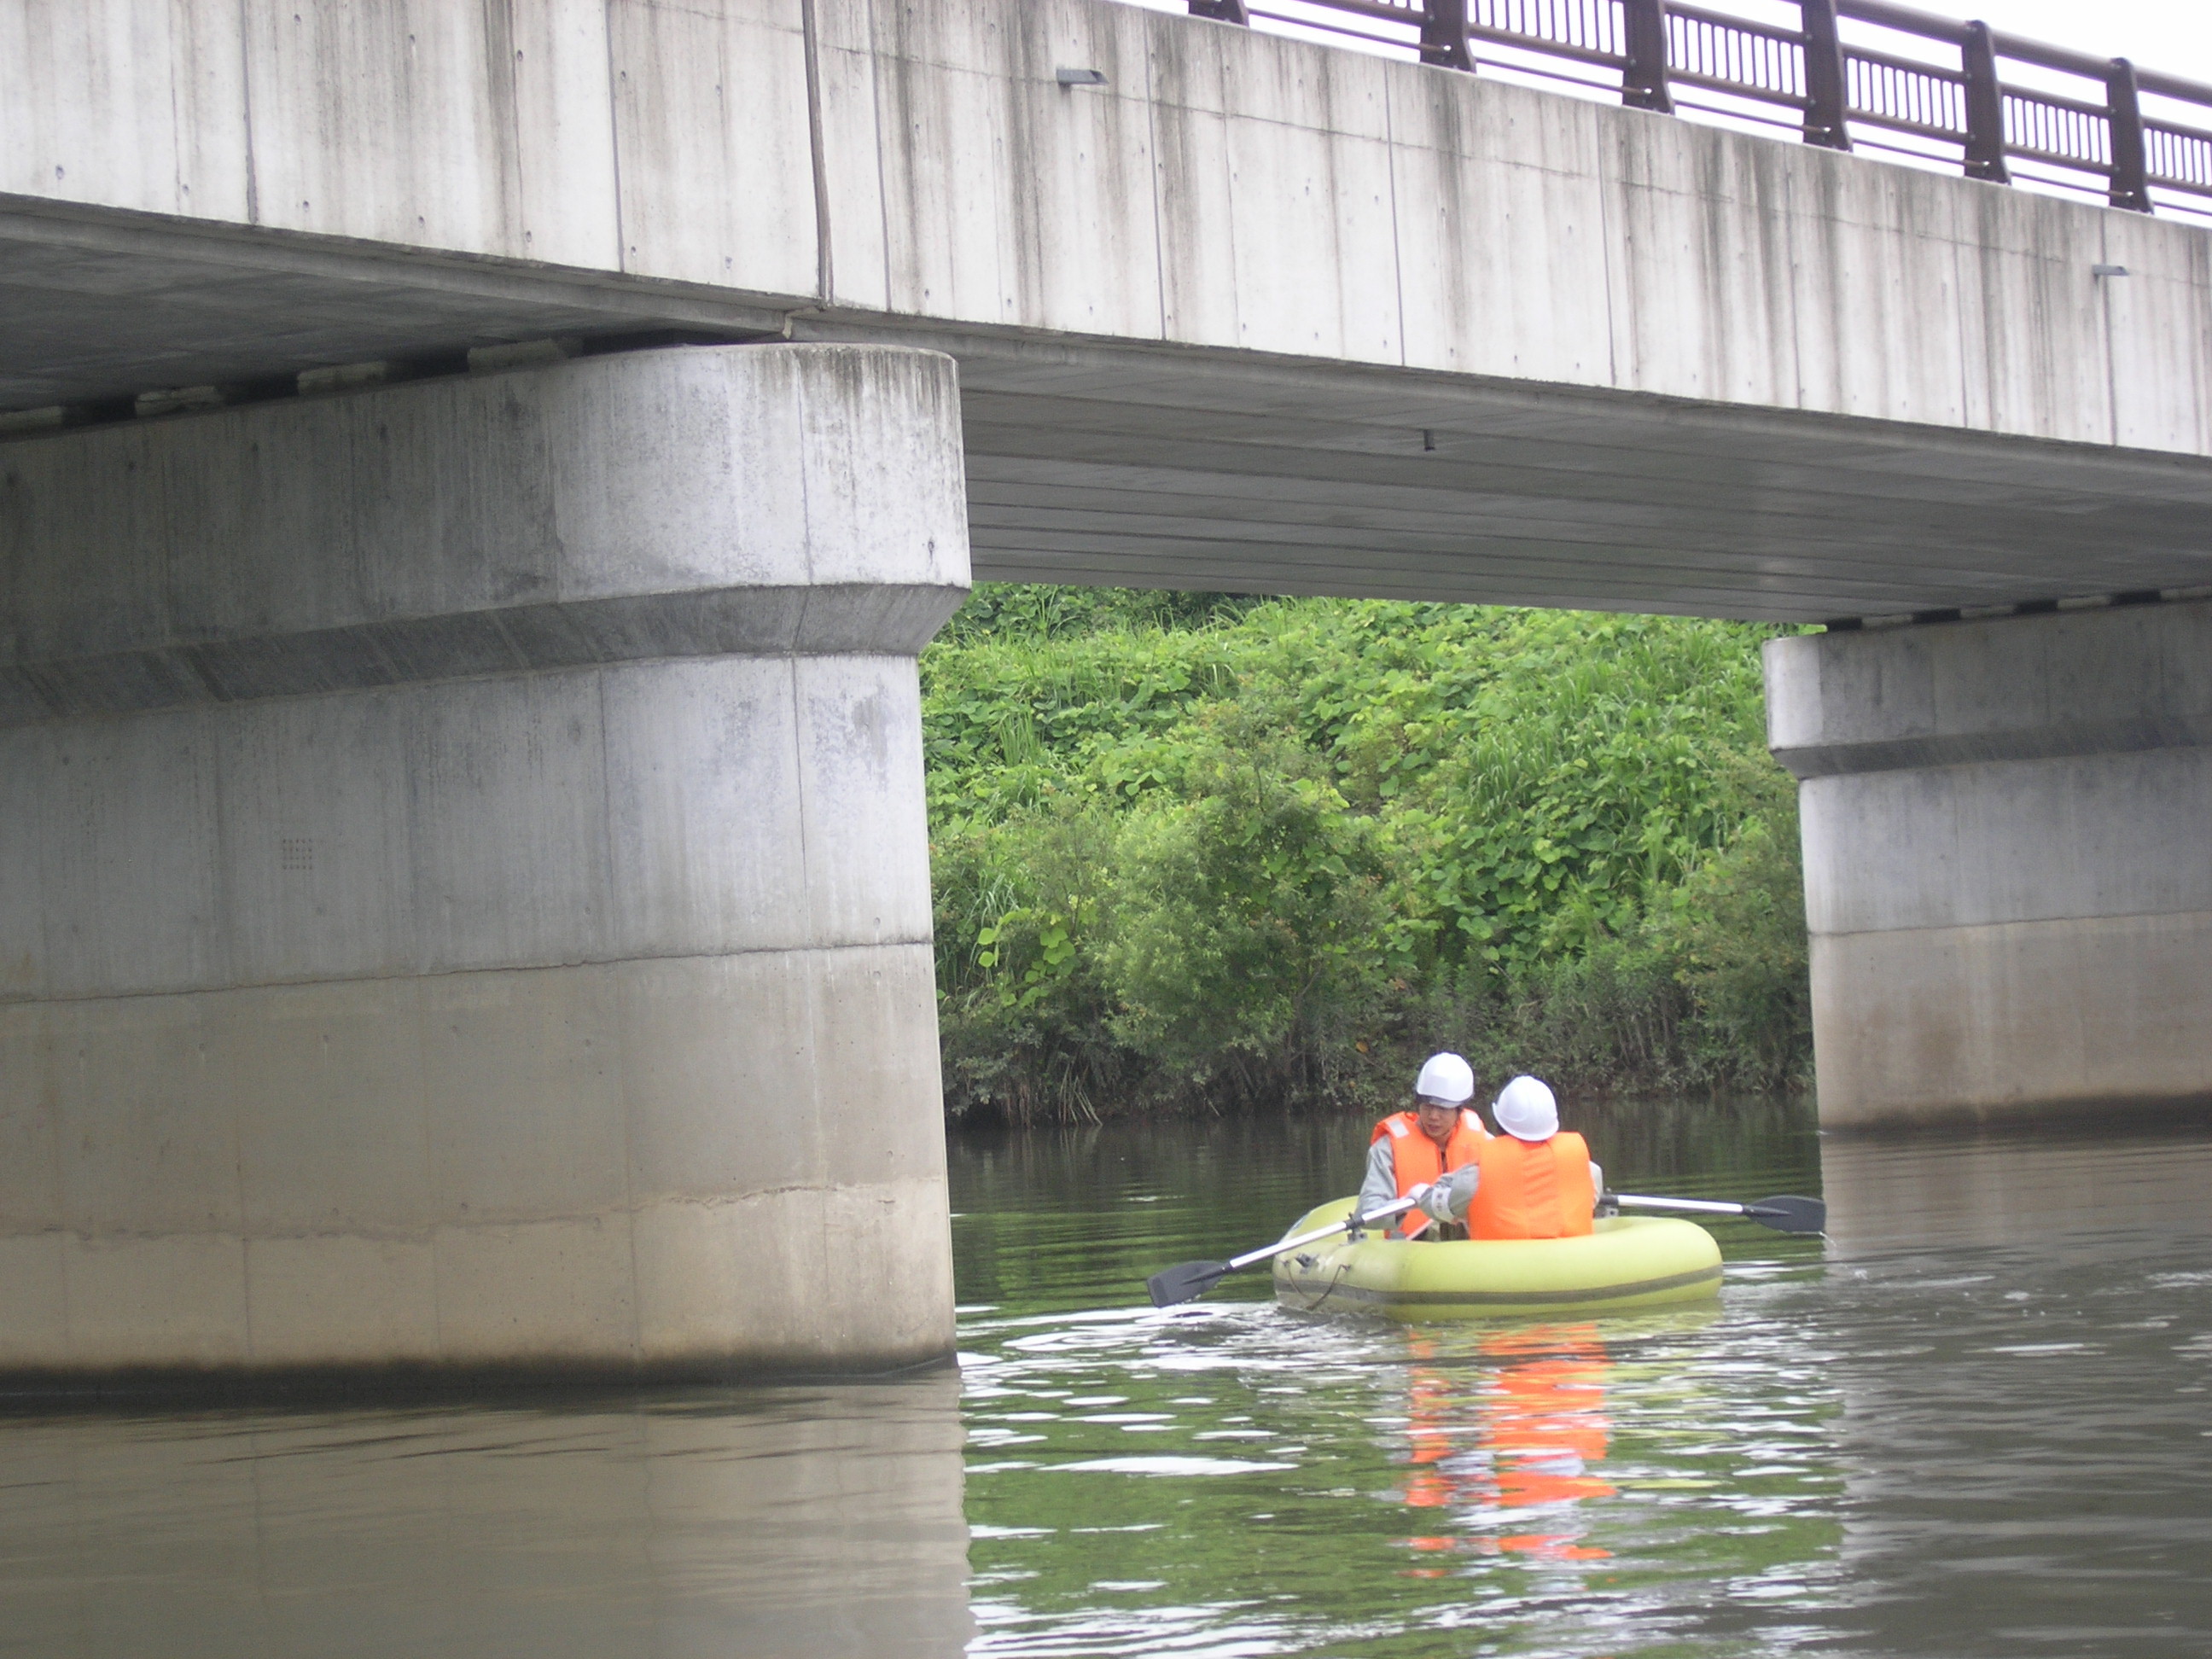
point(1526, 1110)
point(1446, 1078)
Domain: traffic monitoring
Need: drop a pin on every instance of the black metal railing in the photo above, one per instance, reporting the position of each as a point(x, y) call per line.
point(1839, 91)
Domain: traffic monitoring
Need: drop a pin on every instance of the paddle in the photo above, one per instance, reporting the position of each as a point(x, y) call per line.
point(1786, 1213)
point(1195, 1279)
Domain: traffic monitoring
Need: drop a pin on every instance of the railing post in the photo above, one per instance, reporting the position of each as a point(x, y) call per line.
point(1443, 35)
point(1222, 11)
point(1827, 83)
point(1985, 138)
point(2130, 166)
point(1643, 82)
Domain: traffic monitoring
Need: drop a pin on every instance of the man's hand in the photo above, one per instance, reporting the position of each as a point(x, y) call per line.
point(1448, 1200)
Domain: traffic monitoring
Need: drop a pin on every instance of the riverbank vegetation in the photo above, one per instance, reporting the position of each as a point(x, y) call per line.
point(1197, 853)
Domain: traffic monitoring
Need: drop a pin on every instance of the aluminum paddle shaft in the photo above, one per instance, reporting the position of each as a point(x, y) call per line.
point(1195, 1279)
point(1786, 1213)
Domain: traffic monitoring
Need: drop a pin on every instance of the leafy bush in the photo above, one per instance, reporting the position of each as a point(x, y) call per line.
point(1244, 904)
point(1200, 851)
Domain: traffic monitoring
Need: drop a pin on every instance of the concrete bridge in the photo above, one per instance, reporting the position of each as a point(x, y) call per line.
point(477, 478)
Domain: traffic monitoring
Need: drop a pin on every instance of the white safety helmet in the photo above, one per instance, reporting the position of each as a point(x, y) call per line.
point(1526, 1110)
point(1445, 1078)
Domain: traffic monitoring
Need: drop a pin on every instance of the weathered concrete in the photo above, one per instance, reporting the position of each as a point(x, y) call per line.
point(464, 894)
point(1258, 314)
point(2008, 833)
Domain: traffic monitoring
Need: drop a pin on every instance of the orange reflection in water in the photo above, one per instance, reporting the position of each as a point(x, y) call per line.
point(1522, 1438)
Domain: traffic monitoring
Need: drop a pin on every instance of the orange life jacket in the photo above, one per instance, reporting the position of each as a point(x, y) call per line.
point(1415, 1158)
point(1533, 1188)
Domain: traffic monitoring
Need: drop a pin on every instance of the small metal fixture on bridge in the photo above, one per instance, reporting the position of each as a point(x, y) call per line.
point(2108, 271)
point(1835, 91)
point(1080, 77)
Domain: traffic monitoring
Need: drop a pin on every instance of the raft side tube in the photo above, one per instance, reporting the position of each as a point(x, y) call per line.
point(1625, 1262)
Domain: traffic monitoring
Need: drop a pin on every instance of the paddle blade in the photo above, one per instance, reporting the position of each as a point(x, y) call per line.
point(1787, 1214)
point(1192, 1279)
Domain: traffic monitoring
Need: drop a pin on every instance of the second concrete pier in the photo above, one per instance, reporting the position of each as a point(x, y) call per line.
point(2007, 832)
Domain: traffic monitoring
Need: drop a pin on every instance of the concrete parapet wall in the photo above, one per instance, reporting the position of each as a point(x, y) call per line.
point(488, 1014)
point(869, 162)
point(2008, 836)
point(1237, 190)
point(412, 123)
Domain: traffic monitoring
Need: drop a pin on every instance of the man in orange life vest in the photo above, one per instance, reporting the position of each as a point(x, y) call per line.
point(1531, 1181)
point(1410, 1152)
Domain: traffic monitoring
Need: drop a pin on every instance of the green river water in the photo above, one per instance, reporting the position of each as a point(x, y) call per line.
point(1974, 1423)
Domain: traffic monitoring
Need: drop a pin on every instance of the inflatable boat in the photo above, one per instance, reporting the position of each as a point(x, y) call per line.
point(1627, 1262)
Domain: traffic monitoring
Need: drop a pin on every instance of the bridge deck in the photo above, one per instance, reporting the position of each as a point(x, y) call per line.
point(1211, 315)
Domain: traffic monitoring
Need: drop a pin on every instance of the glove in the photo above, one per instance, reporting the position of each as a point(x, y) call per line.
point(1448, 1200)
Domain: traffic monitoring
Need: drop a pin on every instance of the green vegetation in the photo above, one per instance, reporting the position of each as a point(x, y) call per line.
point(1200, 853)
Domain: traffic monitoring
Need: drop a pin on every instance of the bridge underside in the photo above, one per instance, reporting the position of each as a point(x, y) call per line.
point(1104, 463)
point(1151, 470)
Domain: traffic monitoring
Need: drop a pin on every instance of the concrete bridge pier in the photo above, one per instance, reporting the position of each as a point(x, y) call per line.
point(463, 884)
point(2008, 833)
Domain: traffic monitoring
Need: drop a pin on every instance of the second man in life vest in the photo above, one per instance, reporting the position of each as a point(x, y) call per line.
point(1410, 1152)
point(1533, 1181)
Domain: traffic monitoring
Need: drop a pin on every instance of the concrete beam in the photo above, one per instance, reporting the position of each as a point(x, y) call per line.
point(2008, 862)
point(467, 902)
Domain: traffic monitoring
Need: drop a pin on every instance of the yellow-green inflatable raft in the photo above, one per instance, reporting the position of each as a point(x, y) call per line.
point(1628, 1262)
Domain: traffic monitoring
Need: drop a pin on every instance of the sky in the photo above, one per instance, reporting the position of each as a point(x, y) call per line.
point(2173, 35)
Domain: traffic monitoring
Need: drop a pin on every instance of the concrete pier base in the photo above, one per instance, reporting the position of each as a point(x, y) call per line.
point(2008, 834)
point(464, 884)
